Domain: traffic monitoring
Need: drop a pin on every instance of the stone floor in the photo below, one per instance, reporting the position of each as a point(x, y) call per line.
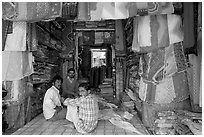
point(39, 126)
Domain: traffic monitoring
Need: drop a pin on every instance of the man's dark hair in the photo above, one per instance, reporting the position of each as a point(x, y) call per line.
point(84, 85)
point(71, 69)
point(57, 77)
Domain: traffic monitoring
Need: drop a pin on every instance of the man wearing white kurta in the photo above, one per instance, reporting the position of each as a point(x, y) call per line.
point(52, 108)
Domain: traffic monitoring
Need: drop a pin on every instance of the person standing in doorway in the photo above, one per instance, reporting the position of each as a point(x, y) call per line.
point(52, 107)
point(70, 85)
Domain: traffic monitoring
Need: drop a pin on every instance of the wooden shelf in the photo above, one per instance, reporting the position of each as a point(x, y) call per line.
point(51, 34)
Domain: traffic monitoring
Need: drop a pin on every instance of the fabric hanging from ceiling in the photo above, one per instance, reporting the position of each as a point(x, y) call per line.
point(163, 63)
point(7, 28)
point(16, 41)
point(31, 11)
point(121, 10)
point(32, 41)
point(16, 65)
point(156, 31)
point(161, 71)
point(150, 8)
point(172, 89)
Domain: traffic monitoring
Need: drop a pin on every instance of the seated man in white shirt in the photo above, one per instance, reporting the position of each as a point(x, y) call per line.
point(52, 108)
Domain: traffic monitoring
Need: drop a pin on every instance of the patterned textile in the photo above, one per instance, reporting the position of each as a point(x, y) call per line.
point(88, 112)
point(156, 31)
point(31, 11)
point(16, 65)
point(16, 41)
point(121, 10)
point(172, 89)
point(150, 8)
point(163, 63)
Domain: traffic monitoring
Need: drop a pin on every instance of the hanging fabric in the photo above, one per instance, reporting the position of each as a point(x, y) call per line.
point(32, 41)
point(156, 31)
point(7, 28)
point(83, 11)
point(16, 65)
point(172, 89)
point(31, 11)
point(121, 10)
point(163, 63)
point(16, 41)
point(150, 8)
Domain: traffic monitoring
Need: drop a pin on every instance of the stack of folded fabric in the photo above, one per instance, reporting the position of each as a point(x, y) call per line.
point(164, 124)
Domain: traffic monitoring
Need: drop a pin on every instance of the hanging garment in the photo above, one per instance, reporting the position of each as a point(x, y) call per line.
point(162, 63)
point(156, 31)
point(172, 89)
point(16, 41)
point(16, 65)
point(31, 11)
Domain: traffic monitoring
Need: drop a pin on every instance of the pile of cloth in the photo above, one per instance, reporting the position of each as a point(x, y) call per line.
point(191, 120)
point(117, 117)
point(164, 124)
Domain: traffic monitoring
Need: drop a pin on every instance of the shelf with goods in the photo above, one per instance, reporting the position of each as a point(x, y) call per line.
point(47, 63)
point(132, 62)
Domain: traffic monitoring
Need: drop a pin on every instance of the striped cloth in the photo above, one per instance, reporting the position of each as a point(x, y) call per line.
point(88, 112)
